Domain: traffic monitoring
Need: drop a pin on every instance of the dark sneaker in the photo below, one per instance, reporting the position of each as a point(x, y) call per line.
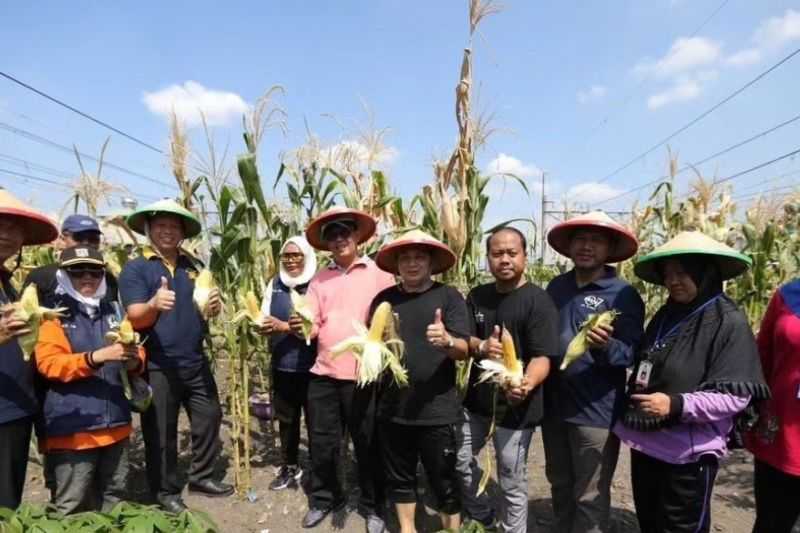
point(287, 476)
point(315, 515)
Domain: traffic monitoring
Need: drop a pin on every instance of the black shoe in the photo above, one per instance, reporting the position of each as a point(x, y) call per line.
point(211, 488)
point(315, 515)
point(172, 504)
point(287, 476)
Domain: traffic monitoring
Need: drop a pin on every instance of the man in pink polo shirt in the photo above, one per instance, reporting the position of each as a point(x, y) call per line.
point(338, 295)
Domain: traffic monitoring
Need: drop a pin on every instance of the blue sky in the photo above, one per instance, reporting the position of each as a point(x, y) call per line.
point(577, 88)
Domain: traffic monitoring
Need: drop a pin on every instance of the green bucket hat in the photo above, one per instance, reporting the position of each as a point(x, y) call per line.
point(136, 220)
point(730, 262)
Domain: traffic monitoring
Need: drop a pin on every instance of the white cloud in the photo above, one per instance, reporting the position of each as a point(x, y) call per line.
point(777, 31)
point(506, 164)
point(682, 91)
point(685, 54)
point(592, 94)
point(771, 34)
point(591, 192)
point(219, 107)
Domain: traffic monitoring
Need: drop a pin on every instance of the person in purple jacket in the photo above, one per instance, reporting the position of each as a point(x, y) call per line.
point(696, 370)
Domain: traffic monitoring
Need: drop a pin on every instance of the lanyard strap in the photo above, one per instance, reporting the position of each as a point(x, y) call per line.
point(659, 342)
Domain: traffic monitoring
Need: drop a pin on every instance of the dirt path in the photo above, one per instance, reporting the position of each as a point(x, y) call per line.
point(281, 512)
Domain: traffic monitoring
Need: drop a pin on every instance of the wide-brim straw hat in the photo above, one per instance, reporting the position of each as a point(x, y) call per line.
point(37, 228)
point(730, 262)
point(625, 243)
point(442, 257)
point(137, 220)
point(364, 224)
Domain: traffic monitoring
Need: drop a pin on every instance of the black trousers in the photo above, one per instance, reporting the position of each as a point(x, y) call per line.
point(777, 499)
point(290, 399)
point(334, 405)
point(15, 437)
point(404, 446)
point(195, 390)
point(673, 498)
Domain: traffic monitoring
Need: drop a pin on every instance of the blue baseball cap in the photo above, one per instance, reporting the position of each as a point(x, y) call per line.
point(79, 223)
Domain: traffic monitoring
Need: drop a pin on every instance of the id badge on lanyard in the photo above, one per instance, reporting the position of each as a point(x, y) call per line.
point(643, 372)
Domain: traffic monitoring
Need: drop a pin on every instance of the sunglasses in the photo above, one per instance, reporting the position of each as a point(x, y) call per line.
point(337, 232)
point(85, 237)
point(94, 272)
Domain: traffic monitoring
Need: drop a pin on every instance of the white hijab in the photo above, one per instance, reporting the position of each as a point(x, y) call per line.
point(309, 269)
point(90, 304)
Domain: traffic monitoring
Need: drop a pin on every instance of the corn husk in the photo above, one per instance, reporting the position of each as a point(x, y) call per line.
point(28, 310)
point(137, 391)
point(249, 309)
point(580, 343)
point(372, 352)
point(507, 373)
point(303, 310)
point(203, 285)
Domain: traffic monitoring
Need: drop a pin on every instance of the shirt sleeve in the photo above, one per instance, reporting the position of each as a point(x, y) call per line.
point(628, 330)
point(454, 315)
point(766, 333)
point(54, 357)
point(133, 287)
point(705, 406)
point(541, 337)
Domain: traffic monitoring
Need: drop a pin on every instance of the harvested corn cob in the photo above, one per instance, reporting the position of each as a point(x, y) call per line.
point(29, 311)
point(372, 353)
point(580, 343)
point(138, 393)
point(203, 286)
point(509, 371)
point(302, 309)
point(250, 308)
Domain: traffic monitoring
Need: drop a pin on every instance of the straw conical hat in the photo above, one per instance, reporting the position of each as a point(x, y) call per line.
point(365, 225)
point(730, 262)
point(37, 228)
point(442, 258)
point(626, 243)
point(136, 220)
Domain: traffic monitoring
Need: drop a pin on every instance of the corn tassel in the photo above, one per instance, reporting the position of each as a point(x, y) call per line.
point(203, 286)
point(302, 309)
point(29, 311)
point(372, 353)
point(580, 343)
point(507, 373)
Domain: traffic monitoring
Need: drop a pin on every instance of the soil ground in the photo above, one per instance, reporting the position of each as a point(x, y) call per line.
point(281, 512)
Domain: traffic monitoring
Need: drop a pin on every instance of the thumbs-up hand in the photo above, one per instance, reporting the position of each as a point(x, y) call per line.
point(164, 299)
point(492, 347)
point(437, 334)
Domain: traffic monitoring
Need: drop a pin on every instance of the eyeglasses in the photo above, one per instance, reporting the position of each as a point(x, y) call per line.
point(85, 237)
point(337, 232)
point(77, 272)
point(292, 258)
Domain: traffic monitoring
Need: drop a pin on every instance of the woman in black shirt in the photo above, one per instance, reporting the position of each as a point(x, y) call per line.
point(416, 422)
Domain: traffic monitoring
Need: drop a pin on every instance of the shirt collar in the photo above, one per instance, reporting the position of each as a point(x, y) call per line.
point(361, 261)
point(150, 253)
point(606, 281)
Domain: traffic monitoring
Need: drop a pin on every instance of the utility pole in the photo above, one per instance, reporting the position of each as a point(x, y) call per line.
point(541, 219)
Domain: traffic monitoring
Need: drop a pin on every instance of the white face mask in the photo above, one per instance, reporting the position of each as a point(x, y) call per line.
point(90, 303)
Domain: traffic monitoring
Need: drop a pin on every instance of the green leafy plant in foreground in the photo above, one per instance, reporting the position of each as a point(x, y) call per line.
point(125, 517)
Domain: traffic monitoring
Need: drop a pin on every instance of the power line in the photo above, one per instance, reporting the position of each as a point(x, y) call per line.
point(47, 142)
point(29, 165)
point(762, 193)
point(23, 176)
point(81, 113)
point(630, 96)
point(705, 160)
point(700, 117)
point(757, 167)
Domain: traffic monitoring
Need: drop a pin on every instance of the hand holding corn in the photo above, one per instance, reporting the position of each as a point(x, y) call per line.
point(11, 325)
point(116, 352)
point(28, 310)
point(436, 333)
point(214, 304)
point(516, 395)
point(270, 325)
point(163, 299)
point(599, 335)
point(581, 342)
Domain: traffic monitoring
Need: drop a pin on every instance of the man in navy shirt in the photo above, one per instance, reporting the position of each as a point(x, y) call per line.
point(581, 402)
point(156, 290)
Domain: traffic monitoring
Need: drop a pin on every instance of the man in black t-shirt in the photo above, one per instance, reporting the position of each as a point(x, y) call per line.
point(528, 313)
point(415, 423)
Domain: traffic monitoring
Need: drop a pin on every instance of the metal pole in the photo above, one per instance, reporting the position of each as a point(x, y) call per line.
point(542, 242)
